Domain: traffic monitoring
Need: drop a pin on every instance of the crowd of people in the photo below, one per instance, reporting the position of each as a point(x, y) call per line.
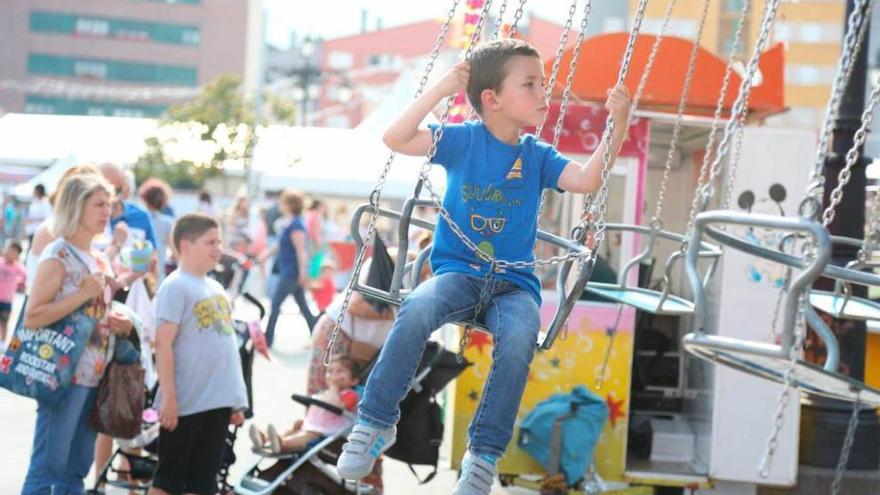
point(95, 237)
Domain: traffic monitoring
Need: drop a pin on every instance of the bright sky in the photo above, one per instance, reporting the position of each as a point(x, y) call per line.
point(334, 18)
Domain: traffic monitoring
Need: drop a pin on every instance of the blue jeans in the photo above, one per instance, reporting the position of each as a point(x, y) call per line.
point(288, 286)
point(510, 313)
point(64, 445)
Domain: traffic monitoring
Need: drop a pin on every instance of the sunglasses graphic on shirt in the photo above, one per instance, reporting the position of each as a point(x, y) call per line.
point(480, 223)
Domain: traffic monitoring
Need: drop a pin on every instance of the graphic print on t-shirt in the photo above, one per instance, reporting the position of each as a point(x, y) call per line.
point(490, 207)
point(213, 313)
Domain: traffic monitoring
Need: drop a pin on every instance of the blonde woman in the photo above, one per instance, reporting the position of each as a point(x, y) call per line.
point(72, 276)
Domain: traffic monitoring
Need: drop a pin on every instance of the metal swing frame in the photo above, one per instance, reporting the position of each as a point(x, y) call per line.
point(663, 302)
point(397, 293)
point(771, 361)
point(840, 302)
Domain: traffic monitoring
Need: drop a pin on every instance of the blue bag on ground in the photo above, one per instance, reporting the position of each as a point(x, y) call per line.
point(40, 363)
point(579, 433)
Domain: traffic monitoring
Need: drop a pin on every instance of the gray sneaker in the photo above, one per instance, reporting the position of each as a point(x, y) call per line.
point(364, 445)
point(477, 476)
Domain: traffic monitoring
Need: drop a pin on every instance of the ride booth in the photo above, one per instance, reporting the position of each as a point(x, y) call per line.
point(673, 420)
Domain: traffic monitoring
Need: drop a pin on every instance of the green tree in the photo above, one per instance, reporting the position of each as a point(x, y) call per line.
point(197, 138)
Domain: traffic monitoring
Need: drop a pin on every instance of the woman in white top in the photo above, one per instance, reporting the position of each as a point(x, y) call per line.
point(72, 275)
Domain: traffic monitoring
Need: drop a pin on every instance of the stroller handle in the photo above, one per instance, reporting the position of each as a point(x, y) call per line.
point(310, 401)
point(253, 300)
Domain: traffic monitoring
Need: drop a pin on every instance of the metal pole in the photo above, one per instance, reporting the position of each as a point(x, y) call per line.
point(820, 433)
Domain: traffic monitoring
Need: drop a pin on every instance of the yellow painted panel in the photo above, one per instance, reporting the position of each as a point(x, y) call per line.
point(872, 360)
point(575, 360)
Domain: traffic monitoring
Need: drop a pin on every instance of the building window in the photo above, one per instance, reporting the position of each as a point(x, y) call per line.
point(809, 32)
point(340, 60)
point(51, 65)
point(384, 61)
point(64, 106)
point(104, 27)
point(683, 28)
point(809, 75)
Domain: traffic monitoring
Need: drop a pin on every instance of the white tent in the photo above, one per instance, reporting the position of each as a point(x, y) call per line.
point(342, 162)
point(61, 141)
point(90, 139)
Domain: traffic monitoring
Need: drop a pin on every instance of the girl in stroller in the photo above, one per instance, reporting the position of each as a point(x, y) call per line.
point(341, 377)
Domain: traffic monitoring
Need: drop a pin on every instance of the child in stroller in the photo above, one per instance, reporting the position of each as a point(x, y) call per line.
point(313, 471)
point(342, 377)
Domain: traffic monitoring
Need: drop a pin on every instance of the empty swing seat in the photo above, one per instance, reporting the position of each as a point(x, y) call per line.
point(765, 360)
point(841, 306)
point(652, 301)
point(649, 301)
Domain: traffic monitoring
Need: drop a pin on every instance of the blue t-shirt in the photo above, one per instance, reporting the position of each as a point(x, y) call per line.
point(493, 190)
point(136, 218)
point(287, 263)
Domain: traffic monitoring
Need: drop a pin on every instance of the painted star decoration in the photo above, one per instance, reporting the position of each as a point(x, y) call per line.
point(480, 340)
point(615, 409)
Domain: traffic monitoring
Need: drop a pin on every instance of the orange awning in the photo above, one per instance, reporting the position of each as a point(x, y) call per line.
point(600, 60)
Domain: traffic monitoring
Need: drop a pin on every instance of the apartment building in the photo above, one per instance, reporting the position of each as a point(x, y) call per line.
point(812, 31)
point(122, 57)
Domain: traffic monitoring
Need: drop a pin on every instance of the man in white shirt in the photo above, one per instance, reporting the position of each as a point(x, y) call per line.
point(38, 210)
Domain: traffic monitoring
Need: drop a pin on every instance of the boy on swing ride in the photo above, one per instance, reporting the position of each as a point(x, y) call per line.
point(495, 177)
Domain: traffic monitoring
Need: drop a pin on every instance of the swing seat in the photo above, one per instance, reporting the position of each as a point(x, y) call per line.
point(649, 301)
point(841, 303)
point(397, 293)
point(771, 361)
point(808, 377)
point(844, 307)
point(656, 302)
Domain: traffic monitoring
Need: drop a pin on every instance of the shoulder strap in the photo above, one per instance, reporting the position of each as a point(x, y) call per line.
point(427, 478)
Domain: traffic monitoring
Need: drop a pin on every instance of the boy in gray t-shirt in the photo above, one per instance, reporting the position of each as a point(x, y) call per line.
point(201, 388)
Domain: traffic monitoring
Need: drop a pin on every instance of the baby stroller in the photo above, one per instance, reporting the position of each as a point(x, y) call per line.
point(139, 474)
point(232, 271)
point(313, 471)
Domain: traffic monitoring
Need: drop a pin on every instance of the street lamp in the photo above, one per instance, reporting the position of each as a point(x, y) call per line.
point(307, 72)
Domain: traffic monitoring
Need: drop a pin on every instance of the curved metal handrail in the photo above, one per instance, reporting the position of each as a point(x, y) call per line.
point(397, 294)
point(811, 270)
point(708, 251)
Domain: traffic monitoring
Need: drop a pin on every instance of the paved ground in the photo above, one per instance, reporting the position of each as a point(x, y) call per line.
point(274, 381)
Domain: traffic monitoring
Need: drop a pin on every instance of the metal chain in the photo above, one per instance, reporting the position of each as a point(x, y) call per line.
point(785, 396)
point(852, 156)
point(849, 52)
point(847, 446)
point(517, 15)
point(499, 22)
point(566, 93)
point(733, 163)
point(485, 294)
point(716, 123)
point(376, 194)
point(706, 190)
point(652, 57)
point(602, 196)
point(682, 104)
point(843, 73)
point(655, 48)
point(557, 62)
point(739, 106)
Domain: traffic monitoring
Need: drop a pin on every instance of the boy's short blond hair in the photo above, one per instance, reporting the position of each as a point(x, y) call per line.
point(488, 66)
point(192, 226)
